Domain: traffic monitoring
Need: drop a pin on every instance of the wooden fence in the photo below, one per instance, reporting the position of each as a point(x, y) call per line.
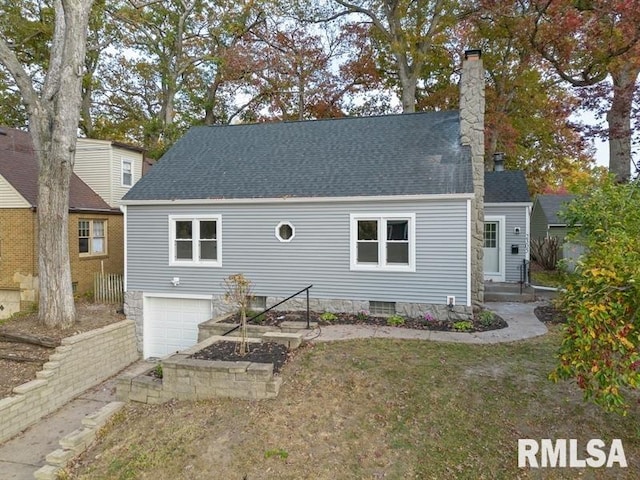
point(108, 288)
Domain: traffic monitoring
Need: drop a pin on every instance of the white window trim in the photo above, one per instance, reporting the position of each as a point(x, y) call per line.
point(194, 262)
point(130, 162)
point(91, 237)
point(293, 232)
point(382, 236)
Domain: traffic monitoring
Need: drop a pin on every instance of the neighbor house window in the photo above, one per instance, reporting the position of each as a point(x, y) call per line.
point(92, 237)
point(127, 172)
point(195, 240)
point(383, 242)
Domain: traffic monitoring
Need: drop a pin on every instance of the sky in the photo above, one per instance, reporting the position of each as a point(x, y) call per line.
point(601, 146)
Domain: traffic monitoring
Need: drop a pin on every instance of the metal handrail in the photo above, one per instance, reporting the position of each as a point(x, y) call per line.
point(306, 289)
point(524, 274)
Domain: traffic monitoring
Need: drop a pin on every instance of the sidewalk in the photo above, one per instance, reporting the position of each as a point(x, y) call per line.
point(21, 456)
point(25, 453)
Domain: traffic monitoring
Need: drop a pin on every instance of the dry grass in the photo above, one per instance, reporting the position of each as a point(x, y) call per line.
point(370, 410)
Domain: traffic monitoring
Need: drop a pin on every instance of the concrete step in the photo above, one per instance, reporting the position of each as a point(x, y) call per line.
point(508, 297)
point(507, 287)
point(508, 292)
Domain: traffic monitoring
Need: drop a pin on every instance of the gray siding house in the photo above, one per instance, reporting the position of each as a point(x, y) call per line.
point(375, 213)
point(507, 210)
point(545, 218)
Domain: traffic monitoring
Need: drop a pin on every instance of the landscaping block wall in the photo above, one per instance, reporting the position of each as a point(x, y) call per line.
point(185, 378)
point(79, 363)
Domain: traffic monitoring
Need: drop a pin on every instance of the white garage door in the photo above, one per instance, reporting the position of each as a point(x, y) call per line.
point(171, 324)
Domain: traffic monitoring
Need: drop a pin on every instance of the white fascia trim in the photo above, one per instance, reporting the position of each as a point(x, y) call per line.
point(123, 209)
point(469, 234)
point(509, 204)
point(221, 201)
point(527, 238)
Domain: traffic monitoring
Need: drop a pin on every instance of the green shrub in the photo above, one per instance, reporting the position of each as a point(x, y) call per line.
point(259, 319)
point(328, 317)
point(463, 326)
point(486, 318)
point(601, 345)
point(395, 320)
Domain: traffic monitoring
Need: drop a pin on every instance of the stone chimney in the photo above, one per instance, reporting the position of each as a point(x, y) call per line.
point(472, 135)
point(498, 162)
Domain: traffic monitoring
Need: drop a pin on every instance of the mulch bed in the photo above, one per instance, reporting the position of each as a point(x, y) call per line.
point(549, 314)
point(275, 318)
point(13, 373)
point(279, 354)
point(266, 352)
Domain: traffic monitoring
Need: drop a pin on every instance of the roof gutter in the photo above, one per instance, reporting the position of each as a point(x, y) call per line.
point(109, 211)
point(290, 200)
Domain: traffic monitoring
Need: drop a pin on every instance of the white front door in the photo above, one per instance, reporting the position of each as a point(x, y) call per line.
point(494, 248)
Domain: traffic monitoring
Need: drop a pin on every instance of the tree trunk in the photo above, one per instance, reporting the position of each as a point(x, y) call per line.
point(408, 82)
point(57, 308)
point(54, 113)
point(619, 120)
point(54, 128)
point(210, 103)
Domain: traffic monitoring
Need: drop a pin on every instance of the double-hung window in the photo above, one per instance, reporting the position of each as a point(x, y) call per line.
point(92, 237)
point(195, 240)
point(127, 172)
point(383, 242)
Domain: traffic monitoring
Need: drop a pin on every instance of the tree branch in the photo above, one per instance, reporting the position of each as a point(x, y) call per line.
point(20, 76)
point(52, 80)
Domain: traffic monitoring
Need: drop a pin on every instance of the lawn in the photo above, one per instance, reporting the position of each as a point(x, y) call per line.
point(549, 278)
point(370, 410)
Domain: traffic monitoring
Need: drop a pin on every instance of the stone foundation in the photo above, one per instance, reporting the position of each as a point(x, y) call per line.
point(133, 308)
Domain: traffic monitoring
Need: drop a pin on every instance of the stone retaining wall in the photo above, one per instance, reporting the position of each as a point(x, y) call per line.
point(185, 378)
point(79, 363)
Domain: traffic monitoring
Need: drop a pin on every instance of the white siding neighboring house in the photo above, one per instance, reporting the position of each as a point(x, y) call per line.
point(374, 212)
point(109, 168)
point(10, 197)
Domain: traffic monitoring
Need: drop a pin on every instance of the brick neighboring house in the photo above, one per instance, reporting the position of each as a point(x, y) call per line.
point(96, 233)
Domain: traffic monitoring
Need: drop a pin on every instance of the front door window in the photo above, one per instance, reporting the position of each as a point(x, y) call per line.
point(491, 247)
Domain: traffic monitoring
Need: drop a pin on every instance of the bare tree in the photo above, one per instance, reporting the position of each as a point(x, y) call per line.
point(238, 290)
point(53, 110)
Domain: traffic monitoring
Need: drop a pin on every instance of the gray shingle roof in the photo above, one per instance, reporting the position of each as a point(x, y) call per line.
point(408, 154)
point(552, 205)
point(508, 186)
